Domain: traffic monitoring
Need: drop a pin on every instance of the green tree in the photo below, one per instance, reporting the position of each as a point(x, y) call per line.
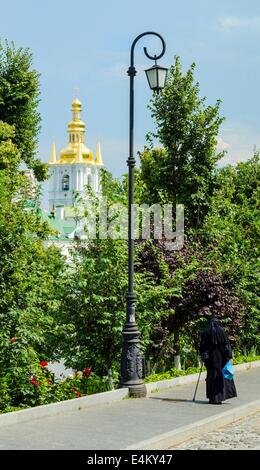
point(230, 236)
point(191, 293)
point(114, 189)
point(93, 302)
point(29, 273)
point(182, 171)
point(93, 294)
point(19, 99)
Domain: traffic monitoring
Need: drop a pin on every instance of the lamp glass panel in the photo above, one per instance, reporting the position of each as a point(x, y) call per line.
point(152, 77)
point(162, 74)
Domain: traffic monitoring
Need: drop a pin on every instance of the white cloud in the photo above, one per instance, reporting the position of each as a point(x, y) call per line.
point(231, 22)
point(236, 156)
point(239, 140)
point(222, 145)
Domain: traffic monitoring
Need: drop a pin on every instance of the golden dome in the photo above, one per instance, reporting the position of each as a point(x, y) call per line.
point(76, 150)
point(70, 153)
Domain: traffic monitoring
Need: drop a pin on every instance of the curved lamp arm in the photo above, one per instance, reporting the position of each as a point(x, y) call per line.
point(154, 57)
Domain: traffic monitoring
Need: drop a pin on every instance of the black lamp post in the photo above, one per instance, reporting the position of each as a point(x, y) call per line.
point(131, 361)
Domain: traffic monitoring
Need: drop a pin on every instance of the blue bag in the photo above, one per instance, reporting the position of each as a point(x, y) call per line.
point(228, 371)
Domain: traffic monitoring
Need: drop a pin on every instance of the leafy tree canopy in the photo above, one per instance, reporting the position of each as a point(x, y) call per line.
point(182, 170)
point(19, 99)
point(28, 277)
point(230, 235)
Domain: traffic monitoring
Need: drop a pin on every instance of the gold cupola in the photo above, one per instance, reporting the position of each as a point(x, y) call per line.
point(76, 150)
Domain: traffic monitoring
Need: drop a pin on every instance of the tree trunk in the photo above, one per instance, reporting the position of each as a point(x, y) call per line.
point(148, 366)
point(177, 357)
point(177, 362)
point(110, 380)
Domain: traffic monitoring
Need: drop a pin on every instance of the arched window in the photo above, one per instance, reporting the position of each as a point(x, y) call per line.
point(65, 183)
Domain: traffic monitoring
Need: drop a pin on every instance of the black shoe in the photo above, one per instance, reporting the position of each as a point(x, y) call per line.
point(212, 402)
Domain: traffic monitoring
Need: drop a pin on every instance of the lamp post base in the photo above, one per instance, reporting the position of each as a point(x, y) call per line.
point(132, 363)
point(137, 391)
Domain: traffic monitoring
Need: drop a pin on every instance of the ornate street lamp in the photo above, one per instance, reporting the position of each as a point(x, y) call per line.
point(156, 77)
point(132, 361)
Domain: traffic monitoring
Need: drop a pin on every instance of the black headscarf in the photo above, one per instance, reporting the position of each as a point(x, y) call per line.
point(214, 333)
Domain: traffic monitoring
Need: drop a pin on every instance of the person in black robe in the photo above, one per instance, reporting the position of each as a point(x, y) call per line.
point(215, 351)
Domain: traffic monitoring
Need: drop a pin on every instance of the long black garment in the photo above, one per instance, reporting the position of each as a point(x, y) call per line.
point(215, 351)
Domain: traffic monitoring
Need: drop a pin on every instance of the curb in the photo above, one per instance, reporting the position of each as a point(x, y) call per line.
point(185, 379)
point(77, 404)
point(247, 365)
point(184, 433)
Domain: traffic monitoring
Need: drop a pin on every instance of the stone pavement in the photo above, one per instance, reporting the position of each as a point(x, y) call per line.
point(126, 422)
point(241, 435)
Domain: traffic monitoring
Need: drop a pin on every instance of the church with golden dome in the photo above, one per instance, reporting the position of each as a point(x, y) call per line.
point(75, 168)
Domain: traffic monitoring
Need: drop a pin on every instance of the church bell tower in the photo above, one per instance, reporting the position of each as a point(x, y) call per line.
point(76, 168)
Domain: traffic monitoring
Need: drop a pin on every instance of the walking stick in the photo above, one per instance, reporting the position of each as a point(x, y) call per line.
point(197, 382)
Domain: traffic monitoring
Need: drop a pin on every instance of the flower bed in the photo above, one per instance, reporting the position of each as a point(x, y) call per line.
point(41, 388)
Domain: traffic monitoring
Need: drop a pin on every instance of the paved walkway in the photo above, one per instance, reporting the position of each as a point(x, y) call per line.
point(241, 435)
point(127, 422)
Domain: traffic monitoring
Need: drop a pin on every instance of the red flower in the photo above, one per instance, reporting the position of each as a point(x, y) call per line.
point(35, 382)
point(78, 394)
point(13, 340)
point(43, 364)
point(76, 391)
point(86, 372)
point(49, 382)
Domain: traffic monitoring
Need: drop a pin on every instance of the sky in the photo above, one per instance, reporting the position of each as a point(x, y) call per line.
point(82, 48)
